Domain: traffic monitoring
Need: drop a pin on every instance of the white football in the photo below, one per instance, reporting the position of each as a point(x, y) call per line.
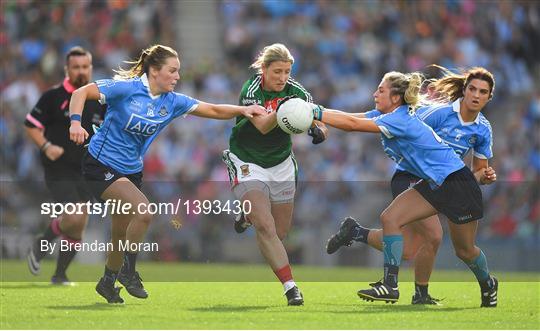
point(295, 116)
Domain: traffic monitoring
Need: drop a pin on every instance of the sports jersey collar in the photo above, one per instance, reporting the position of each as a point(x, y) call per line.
point(68, 86)
point(456, 108)
point(144, 80)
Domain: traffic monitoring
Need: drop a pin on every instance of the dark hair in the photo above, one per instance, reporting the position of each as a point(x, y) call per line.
point(77, 51)
point(153, 56)
point(451, 86)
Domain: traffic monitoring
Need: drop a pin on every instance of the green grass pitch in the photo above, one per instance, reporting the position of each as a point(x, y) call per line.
point(179, 302)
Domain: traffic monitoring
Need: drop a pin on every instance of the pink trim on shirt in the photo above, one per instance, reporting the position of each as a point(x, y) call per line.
point(67, 85)
point(34, 121)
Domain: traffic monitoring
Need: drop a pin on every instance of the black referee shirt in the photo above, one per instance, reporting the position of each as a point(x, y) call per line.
point(51, 113)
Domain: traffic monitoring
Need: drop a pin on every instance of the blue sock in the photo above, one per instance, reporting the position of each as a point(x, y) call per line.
point(479, 267)
point(392, 249)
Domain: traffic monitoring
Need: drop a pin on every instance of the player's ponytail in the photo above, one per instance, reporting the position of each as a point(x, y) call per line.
point(154, 56)
point(272, 53)
point(407, 86)
point(412, 93)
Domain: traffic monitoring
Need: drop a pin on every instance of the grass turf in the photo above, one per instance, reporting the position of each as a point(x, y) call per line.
point(258, 304)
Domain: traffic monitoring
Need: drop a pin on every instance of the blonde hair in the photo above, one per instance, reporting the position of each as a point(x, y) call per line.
point(154, 56)
point(451, 86)
point(407, 86)
point(272, 53)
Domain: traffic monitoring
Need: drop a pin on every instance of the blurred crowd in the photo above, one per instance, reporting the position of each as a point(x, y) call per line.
point(341, 50)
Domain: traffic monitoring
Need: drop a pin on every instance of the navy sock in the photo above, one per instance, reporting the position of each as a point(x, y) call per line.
point(110, 276)
point(49, 234)
point(130, 259)
point(360, 234)
point(64, 259)
point(392, 249)
point(421, 290)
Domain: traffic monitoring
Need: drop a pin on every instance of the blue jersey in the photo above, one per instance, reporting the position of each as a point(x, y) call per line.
point(446, 121)
point(461, 136)
point(133, 120)
point(414, 146)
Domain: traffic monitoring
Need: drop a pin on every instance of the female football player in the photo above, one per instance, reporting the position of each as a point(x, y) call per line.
point(446, 184)
point(456, 117)
point(261, 164)
point(141, 102)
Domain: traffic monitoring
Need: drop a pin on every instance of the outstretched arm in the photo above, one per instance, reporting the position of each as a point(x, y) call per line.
point(225, 112)
point(345, 121)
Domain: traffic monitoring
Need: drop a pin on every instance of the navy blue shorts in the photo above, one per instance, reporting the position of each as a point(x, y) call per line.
point(459, 197)
point(401, 181)
point(98, 177)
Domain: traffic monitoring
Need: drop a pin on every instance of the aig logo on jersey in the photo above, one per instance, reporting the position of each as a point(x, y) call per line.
point(141, 126)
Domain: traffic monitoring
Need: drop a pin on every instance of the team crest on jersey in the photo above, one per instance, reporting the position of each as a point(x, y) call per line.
point(472, 139)
point(135, 105)
point(163, 111)
point(141, 126)
point(150, 110)
point(245, 169)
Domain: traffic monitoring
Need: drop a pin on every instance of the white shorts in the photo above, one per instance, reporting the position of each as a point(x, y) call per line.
point(278, 182)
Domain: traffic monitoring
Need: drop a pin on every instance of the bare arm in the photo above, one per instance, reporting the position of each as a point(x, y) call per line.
point(225, 112)
point(483, 173)
point(357, 115)
point(51, 151)
point(76, 106)
point(348, 122)
point(265, 123)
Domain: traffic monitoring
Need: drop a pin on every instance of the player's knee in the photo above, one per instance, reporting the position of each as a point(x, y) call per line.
point(386, 219)
point(409, 254)
point(465, 253)
point(265, 229)
point(145, 218)
point(435, 241)
point(282, 233)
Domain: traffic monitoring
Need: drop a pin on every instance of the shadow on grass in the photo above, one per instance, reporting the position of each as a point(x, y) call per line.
point(378, 309)
point(93, 306)
point(227, 308)
point(40, 285)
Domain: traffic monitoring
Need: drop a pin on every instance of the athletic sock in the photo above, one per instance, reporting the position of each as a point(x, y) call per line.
point(360, 234)
point(421, 290)
point(130, 258)
point(285, 277)
point(392, 249)
point(65, 256)
point(110, 276)
point(52, 231)
point(479, 267)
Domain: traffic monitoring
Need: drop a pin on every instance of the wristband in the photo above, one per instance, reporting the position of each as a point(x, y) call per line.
point(45, 146)
point(317, 112)
point(75, 117)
